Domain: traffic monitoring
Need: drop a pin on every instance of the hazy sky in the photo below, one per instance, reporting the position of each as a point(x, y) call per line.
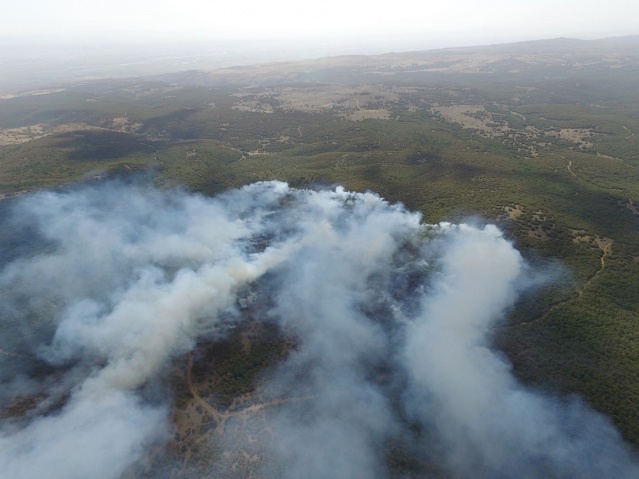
point(451, 21)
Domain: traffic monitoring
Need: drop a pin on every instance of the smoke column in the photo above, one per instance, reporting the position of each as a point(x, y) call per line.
point(486, 423)
point(392, 320)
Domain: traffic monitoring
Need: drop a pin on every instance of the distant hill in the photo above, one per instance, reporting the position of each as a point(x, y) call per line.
point(541, 58)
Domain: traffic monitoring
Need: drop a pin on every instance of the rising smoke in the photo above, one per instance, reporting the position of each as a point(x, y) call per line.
point(392, 320)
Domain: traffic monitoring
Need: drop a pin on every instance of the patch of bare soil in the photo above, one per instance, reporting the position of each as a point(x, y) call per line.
point(355, 103)
point(539, 233)
point(605, 245)
point(514, 212)
point(363, 114)
point(474, 117)
point(31, 93)
point(579, 136)
point(23, 134)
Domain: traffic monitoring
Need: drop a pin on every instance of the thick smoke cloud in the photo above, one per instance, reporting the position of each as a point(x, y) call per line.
point(392, 320)
point(488, 425)
point(125, 280)
point(349, 243)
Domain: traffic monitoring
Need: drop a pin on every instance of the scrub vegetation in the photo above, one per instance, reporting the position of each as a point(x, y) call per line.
point(530, 136)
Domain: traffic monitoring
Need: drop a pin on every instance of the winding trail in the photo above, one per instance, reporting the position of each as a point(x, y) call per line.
point(155, 151)
point(217, 415)
point(570, 169)
point(606, 249)
point(260, 406)
point(631, 134)
point(221, 417)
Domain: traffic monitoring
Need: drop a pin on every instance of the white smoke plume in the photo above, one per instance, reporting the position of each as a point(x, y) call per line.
point(487, 424)
point(133, 279)
point(392, 319)
point(349, 241)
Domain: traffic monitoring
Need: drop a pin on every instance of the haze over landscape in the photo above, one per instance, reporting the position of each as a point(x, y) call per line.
point(458, 22)
point(43, 41)
point(337, 240)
